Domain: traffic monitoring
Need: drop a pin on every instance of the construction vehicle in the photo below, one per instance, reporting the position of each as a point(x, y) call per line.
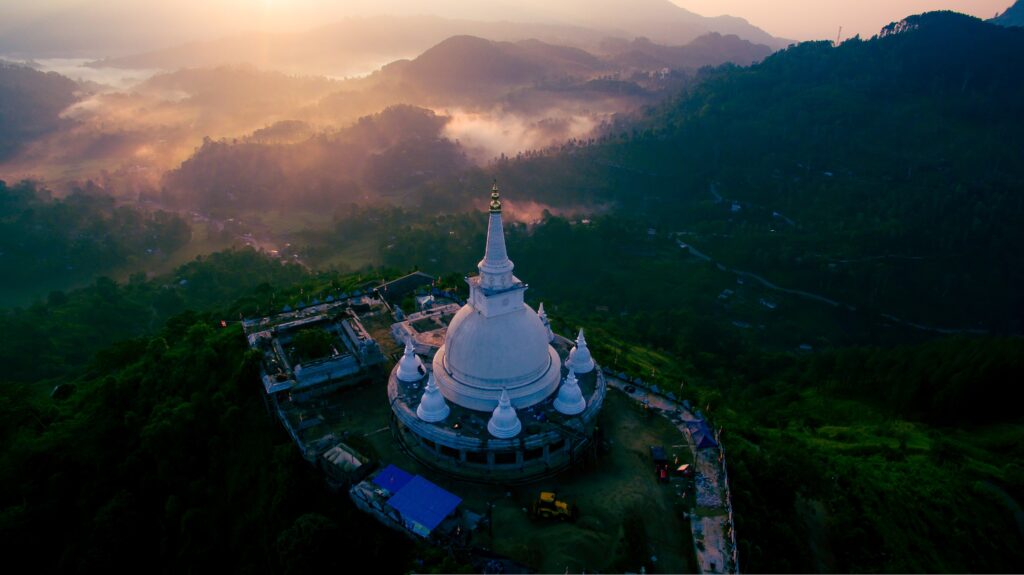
point(548, 506)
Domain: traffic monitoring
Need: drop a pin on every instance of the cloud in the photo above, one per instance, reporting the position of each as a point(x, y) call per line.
point(486, 135)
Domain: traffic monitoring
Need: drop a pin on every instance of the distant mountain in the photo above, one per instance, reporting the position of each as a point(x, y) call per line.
point(348, 47)
point(906, 145)
point(358, 45)
point(709, 50)
point(1013, 16)
point(466, 67)
point(122, 27)
point(660, 20)
point(396, 149)
point(30, 104)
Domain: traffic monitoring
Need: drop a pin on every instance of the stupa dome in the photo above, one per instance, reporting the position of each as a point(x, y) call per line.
point(496, 342)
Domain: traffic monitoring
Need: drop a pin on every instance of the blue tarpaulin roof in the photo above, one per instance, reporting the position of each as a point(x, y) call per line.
point(424, 503)
point(702, 435)
point(392, 478)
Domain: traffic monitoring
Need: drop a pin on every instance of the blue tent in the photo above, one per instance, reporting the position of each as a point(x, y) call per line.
point(702, 436)
point(392, 479)
point(423, 505)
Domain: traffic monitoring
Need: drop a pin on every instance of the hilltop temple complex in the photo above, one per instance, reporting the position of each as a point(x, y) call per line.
point(502, 397)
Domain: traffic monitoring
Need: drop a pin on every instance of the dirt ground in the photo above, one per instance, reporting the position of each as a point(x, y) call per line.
point(620, 483)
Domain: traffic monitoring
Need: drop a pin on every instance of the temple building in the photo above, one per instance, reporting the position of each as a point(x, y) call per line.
point(504, 398)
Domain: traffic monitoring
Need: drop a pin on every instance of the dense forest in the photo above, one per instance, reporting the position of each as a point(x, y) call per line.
point(30, 104)
point(158, 454)
point(63, 241)
point(883, 173)
point(58, 336)
point(878, 182)
point(399, 147)
point(884, 459)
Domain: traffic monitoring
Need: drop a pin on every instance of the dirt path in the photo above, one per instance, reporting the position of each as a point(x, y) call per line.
point(713, 540)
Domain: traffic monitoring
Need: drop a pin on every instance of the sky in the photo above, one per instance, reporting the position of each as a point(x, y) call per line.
point(790, 19)
point(821, 19)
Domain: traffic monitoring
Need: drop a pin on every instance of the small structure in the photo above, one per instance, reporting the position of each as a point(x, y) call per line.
point(351, 357)
point(504, 423)
point(425, 328)
point(570, 399)
point(422, 505)
point(424, 302)
point(580, 360)
point(433, 407)
point(660, 460)
point(410, 368)
point(392, 479)
point(344, 465)
point(701, 434)
point(407, 503)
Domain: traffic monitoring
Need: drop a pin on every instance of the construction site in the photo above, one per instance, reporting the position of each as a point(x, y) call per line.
point(470, 425)
point(630, 507)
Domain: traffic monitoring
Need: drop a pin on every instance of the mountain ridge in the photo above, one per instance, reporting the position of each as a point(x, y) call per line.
point(1012, 16)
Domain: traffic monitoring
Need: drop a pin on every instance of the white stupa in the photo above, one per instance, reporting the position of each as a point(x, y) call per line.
point(544, 319)
point(570, 399)
point(433, 407)
point(496, 343)
point(504, 423)
point(579, 359)
point(410, 364)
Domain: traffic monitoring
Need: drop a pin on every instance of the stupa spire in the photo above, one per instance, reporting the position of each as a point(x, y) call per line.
point(433, 407)
point(580, 359)
point(504, 423)
point(544, 319)
point(409, 366)
point(570, 398)
point(495, 269)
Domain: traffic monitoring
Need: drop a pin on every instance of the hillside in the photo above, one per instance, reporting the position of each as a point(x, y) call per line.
point(467, 68)
point(1012, 16)
point(30, 104)
point(709, 50)
point(52, 244)
point(399, 147)
point(881, 173)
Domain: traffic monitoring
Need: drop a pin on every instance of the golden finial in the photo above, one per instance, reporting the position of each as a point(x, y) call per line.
point(495, 198)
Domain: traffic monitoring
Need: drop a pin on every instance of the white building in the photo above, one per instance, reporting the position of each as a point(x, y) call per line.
point(498, 371)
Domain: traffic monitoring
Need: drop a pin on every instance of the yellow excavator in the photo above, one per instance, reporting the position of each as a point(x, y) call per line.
point(547, 506)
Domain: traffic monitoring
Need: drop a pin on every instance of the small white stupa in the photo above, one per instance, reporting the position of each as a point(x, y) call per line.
point(410, 364)
point(433, 407)
point(544, 319)
point(579, 357)
point(504, 423)
point(570, 399)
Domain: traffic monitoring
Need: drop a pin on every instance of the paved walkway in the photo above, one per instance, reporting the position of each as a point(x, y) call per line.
point(713, 541)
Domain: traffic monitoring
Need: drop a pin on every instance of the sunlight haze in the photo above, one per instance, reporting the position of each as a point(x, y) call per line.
point(821, 19)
